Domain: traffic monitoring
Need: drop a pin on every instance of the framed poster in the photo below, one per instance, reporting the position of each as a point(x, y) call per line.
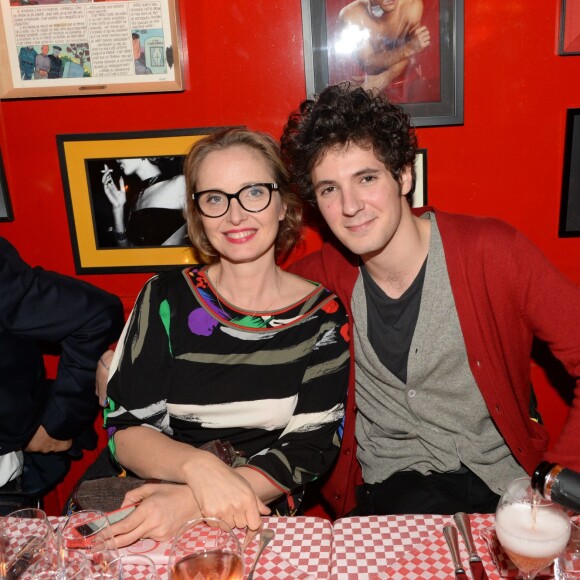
point(125, 194)
point(569, 37)
point(414, 56)
point(5, 206)
point(570, 202)
point(54, 48)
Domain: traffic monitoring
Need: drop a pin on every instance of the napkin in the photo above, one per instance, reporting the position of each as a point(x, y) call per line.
point(429, 559)
point(505, 567)
point(272, 565)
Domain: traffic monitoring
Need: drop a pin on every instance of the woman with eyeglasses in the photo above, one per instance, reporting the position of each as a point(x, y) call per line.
point(236, 350)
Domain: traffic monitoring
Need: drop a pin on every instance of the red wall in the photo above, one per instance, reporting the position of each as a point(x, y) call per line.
point(244, 65)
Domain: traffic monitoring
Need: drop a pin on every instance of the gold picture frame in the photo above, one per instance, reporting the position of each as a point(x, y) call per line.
point(83, 160)
point(89, 47)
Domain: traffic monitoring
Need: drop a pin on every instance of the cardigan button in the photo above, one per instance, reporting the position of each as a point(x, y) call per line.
point(337, 496)
point(346, 451)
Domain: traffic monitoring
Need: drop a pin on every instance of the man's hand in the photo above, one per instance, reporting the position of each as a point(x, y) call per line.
point(42, 442)
point(419, 39)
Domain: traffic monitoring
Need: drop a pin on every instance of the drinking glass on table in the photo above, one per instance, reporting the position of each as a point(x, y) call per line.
point(61, 564)
point(89, 532)
point(531, 529)
point(568, 562)
point(137, 566)
point(206, 548)
point(25, 536)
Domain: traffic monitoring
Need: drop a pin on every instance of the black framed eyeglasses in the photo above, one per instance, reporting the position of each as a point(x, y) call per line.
point(254, 198)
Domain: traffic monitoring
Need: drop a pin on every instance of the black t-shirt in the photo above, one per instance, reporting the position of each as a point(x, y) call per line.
point(391, 321)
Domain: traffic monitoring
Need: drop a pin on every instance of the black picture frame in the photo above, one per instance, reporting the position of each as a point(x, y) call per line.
point(569, 34)
point(83, 160)
point(6, 214)
point(419, 198)
point(569, 226)
point(447, 109)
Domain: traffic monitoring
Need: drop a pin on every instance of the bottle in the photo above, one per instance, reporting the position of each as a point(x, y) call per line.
point(558, 484)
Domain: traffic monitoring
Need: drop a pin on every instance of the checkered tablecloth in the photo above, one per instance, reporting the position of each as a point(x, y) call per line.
point(401, 547)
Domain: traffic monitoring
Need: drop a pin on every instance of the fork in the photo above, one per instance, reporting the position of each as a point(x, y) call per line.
point(266, 536)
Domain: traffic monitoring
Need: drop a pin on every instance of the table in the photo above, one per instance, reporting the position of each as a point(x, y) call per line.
point(401, 547)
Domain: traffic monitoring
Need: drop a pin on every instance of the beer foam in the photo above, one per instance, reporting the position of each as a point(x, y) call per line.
point(549, 536)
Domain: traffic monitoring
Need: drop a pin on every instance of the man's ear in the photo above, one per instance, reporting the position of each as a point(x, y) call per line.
point(406, 180)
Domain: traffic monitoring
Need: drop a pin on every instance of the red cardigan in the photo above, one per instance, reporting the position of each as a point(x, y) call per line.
point(506, 293)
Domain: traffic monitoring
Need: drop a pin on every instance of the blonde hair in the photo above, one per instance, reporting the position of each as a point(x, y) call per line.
point(290, 229)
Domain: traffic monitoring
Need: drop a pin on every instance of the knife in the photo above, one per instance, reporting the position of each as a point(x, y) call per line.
point(475, 563)
point(450, 533)
point(20, 563)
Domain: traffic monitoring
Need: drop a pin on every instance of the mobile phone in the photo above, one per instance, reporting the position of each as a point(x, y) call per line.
point(121, 513)
point(80, 534)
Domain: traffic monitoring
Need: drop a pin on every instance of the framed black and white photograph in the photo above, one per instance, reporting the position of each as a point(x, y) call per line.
point(125, 194)
point(419, 198)
point(570, 203)
point(414, 56)
point(5, 205)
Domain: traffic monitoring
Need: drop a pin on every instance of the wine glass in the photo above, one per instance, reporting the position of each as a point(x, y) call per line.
point(137, 566)
point(26, 536)
point(89, 532)
point(4, 549)
point(567, 565)
point(531, 529)
point(61, 564)
point(206, 548)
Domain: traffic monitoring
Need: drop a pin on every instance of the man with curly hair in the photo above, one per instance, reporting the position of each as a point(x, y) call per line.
point(444, 309)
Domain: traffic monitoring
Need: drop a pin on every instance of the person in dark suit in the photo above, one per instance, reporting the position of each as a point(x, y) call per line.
point(43, 423)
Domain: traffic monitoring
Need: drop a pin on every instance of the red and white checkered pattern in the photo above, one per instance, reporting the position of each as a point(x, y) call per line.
point(19, 531)
point(401, 547)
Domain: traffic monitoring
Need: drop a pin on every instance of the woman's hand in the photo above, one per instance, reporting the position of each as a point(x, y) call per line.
point(116, 195)
point(163, 509)
point(102, 376)
point(222, 492)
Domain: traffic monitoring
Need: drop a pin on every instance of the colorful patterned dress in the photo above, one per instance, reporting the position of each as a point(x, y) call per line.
point(272, 384)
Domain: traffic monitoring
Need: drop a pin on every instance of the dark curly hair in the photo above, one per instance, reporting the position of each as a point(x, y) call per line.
point(340, 115)
point(290, 229)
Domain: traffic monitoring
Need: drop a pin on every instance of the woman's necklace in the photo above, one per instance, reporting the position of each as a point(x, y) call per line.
point(279, 286)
